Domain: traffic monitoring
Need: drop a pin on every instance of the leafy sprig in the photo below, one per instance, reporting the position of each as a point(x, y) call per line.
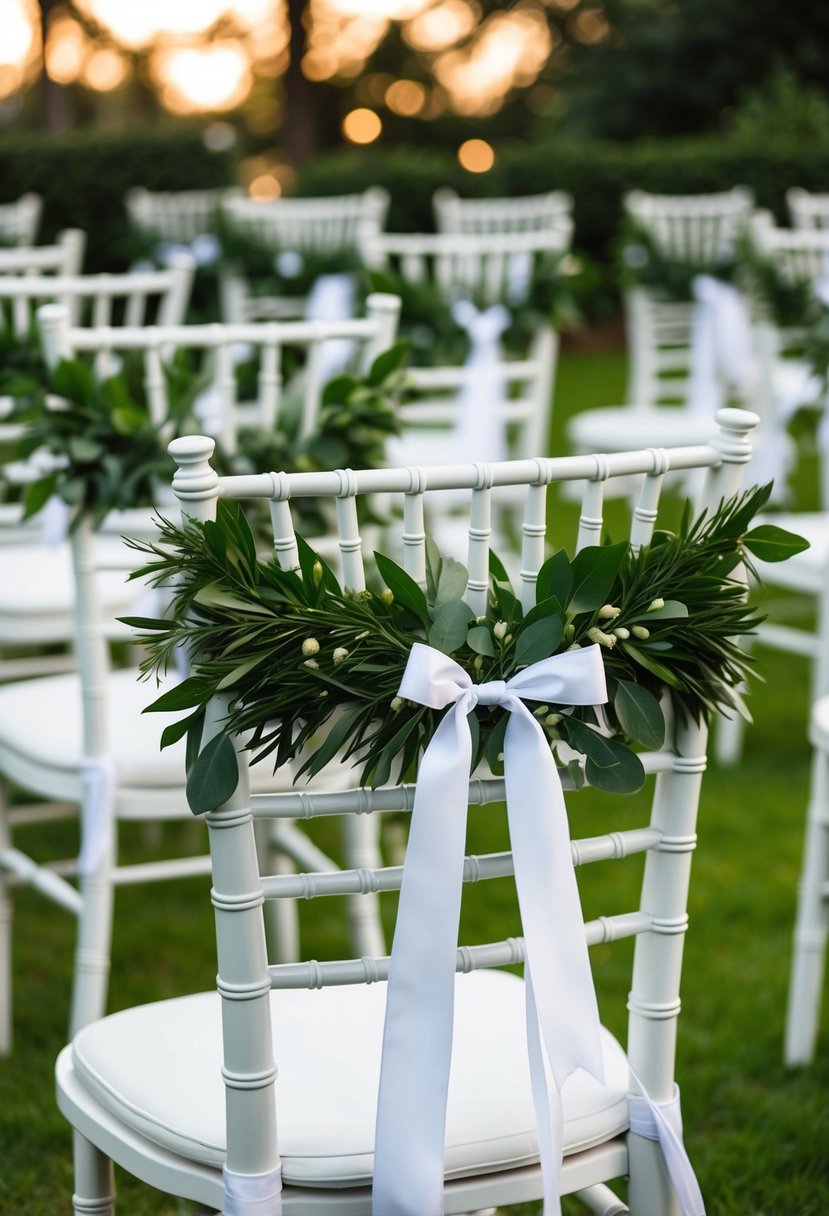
point(642, 263)
point(296, 653)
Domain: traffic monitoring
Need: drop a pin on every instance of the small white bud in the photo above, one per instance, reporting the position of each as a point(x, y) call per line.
point(621, 633)
point(339, 654)
point(608, 612)
point(480, 620)
point(569, 631)
point(603, 639)
point(310, 647)
point(552, 719)
point(639, 631)
point(396, 704)
point(500, 629)
point(312, 663)
point(366, 633)
point(317, 573)
point(575, 646)
point(387, 595)
point(655, 604)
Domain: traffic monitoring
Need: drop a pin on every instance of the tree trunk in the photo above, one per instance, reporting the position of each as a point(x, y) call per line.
point(56, 109)
point(299, 119)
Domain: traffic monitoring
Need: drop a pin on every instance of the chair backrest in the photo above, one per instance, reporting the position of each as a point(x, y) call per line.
point(218, 345)
point(179, 215)
point(307, 225)
point(659, 336)
point(807, 210)
point(799, 255)
point(19, 220)
point(64, 257)
point(487, 268)
point(138, 297)
point(667, 840)
point(529, 213)
point(692, 227)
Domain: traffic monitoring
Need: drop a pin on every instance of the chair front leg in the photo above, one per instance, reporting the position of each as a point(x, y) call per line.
point(91, 976)
point(94, 1182)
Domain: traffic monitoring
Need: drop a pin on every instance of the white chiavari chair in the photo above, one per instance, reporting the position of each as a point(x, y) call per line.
point(807, 209)
point(297, 227)
point(178, 216)
point(685, 228)
point(487, 268)
point(812, 919)
point(19, 220)
point(153, 1089)
point(530, 213)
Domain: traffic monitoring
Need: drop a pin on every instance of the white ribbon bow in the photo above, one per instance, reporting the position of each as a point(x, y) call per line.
point(479, 432)
point(562, 1017)
point(721, 353)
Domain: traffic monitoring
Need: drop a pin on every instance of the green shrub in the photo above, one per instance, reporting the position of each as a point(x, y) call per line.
point(83, 178)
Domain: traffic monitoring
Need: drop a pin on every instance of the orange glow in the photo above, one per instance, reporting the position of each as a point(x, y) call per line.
point(476, 156)
point(589, 26)
point(19, 45)
point(66, 48)
point(214, 77)
point(405, 97)
point(509, 49)
point(397, 10)
point(105, 70)
point(265, 188)
point(362, 126)
point(442, 26)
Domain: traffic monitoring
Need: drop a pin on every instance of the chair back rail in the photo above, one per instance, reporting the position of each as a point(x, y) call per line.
point(19, 220)
point(658, 923)
point(179, 216)
point(807, 209)
point(529, 213)
point(307, 225)
point(694, 228)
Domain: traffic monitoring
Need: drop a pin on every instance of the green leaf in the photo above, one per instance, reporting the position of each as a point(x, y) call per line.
point(452, 582)
point(625, 776)
point(539, 640)
point(404, 588)
point(214, 776)
point(671, 610)
point(73, 379)
point(639, 714)
point(389, 361)
point(333, 742)
point(555, 578)
point(195, 690)
point(497, 569)
point(479, 639)
point(177, 730)
point(434, 562)
point(37, 494)
point(239, 671)
point(450, 626)
point(594, 573)
point(338, 390)
point(214, 596)
point(772, 544)
point(151, 623)
point(650, 664)
point(84, 450)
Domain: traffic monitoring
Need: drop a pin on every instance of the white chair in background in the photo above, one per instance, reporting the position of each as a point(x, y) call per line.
point(530, 213)
point(668, 397)
point(179, 216)
point(488, 268)
point(295, 228)
point(19, 221)
point(80, 736)
point(181, 1093)
point(63, 257)
point(807, 210)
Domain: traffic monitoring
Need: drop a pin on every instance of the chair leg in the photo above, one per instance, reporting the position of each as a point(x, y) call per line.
point(91, 976)
point(94, 1181)
point(650, 1192)
point(812, 926)
point(601, 1200)
point(6, 915)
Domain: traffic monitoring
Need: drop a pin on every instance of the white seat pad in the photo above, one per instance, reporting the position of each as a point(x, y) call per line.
point(620, 428)
point(157, 1069)
point(37, 580)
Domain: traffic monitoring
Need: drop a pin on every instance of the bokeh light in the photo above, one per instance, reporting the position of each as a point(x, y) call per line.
point(105, 70)
point(214, 77)
point(476, 156)
point(405, 97)
point(362, 126)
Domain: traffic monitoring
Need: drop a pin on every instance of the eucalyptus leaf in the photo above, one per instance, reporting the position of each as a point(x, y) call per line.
point(450, 626)
point(772, 544)
point(555, 578)
point(671, 610)
point(403, 587)
point(539, 640)
point(594, 572)
point(625, 776)
point(37, 494)
point(214, 776)
point(480, 640)
point(639, 713)
point(452, 581)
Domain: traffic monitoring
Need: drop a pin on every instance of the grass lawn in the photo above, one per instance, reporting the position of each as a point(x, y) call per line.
point(758, 1135)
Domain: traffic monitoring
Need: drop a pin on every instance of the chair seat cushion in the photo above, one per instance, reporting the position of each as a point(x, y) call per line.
point(156, 1068)
point(41, 735)
point(622, 428)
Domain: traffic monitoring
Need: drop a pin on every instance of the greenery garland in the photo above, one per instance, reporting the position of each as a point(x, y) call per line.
point(109, 454)
point(292, 649)
point(643, 264)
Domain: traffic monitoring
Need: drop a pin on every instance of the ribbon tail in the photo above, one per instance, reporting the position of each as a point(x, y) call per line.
point(417, 1039)
point(98, 784)
point(663, 1122)
point(549, 1116)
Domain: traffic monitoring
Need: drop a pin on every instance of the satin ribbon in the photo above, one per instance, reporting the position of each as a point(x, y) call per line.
point(479, 432)
point(562, 1017)
point(205, 249)
point(332, 299)
point(662, 1121)
point(99, 781)
point(721, 350)
point(253, 1194)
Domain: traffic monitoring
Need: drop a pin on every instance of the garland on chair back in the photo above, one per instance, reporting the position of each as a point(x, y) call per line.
point(288, 648)
point(643, 264)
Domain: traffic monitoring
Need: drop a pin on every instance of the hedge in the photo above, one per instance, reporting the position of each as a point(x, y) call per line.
point(83, 178)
